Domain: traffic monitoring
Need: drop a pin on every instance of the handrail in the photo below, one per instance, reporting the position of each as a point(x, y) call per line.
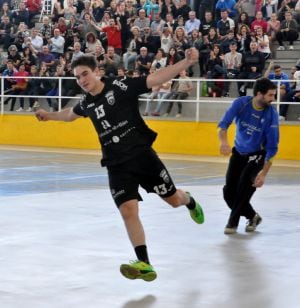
point(197, 100)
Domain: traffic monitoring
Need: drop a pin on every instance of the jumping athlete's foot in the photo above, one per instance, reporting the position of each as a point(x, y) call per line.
point(230, 229)
point(197, 213)
point(253, 223)
point(138, 270)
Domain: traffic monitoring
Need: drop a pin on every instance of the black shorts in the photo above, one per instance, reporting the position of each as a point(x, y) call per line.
point(146, 170)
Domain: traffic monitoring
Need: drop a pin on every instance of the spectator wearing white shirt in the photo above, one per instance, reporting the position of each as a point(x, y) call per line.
point(57, 44)
point(36, 40)
point(192, 23)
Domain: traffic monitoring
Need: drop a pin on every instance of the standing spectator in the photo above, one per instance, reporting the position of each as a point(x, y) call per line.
point(243, 19)
point(9, 81)
point(157, 25)
point(206, 6)
point(183, 10)
point(269, 8)
point(150, 41)
point(273, 27)
point(21, 35)
point(21, 15)
point(34, 8)
point(228, 5)
point(253, 63)
point(33, 86)
point(170, 22)
point(255, 146)
point(181, 90)
point(164, 93)
point(142, 21)
point(46, 30)
point(244, 39)
point(180, 40)
point(167, 7)
point(166, 39)
point(288, 32)
point(113, 32)
point(70, 10)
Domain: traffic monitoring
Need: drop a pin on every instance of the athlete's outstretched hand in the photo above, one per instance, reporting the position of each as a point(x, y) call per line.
point(192, 55)
point(42, 115)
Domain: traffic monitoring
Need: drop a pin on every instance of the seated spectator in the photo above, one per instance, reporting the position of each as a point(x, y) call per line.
point(62, 26)
point(57, 11)
point(91, 42)
point(166, 39)
point(168, 7)
point(111, 62)
point(160, 60)
point(14, 55)
point(157, 25)
point(228, 39)
point(232, 63)
point(253, 63)
point(28, 58)
point(228, 5)
point(46, 30)
point(76, 51)
point(269, 8)
point(224, 25)
point(151, 96)
point(21, 35)
point(133, 48)
point(183, 10)
point(143, 62)
point(263, 42)
point(273, 27)
point(36, 40)
point(285, 6)
point(246, 6)
point(180, 91)
point(288, 32)
point(34, 8)
point(180, 40)
point(45, 57)
point(21, 15)
point(192, 23)
point(207, 23)
point(164, 93)
point(292, 96)
point(69, 10)
point(259, 22)
point(243, 19)
point(142, 21)
point(151, 42)
point(8, 75)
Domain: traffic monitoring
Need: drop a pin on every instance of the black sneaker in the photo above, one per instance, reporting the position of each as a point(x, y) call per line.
point(253, 223)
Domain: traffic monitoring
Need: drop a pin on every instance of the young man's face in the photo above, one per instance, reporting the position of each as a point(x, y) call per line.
point(86, 78)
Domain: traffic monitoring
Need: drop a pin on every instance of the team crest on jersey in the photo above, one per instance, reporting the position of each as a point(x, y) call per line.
point(110, 98)
point(165, 176)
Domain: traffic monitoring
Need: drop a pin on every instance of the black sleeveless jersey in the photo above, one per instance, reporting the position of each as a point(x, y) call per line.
point(114, 112)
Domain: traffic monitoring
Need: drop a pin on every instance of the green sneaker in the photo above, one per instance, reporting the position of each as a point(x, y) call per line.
point(138, 270)
point(197, 213)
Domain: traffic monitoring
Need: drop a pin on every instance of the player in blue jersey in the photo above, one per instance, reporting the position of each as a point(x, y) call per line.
point(255, 145)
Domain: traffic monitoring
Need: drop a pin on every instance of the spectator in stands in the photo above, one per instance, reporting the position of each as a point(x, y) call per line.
point(259, 22)
point(183, 10)
point(142, 21)
point(98, 7)
point(33, 87)
point(70, 10)
point(170, 22)
point(192, 23)
point(225, 43)
point(253, 63)
point(111, 62)
point(19, 88)
point(180, 40)
point(36, 40)
point(143, 62)
point(206, 6)
point(157, 25)
point(133, 48)
point(244, 39)
point(269, 8)
point(6, 32)
point(160, 60)
point(62, 26)
point(131, 10)
point(113, 33)
point(45, 57)
point(297, 12)
point(72, 31)
point(151, 96)
point(232, 63)
point(288, 31)
point(224, 25)
point(46, 30)
point(273, 27)
point(285, 6)
point(262, 40)
point(88, 9)
point(243, 19)
point(167, 7)
point(21, 15)
point(166, 39)
point(125, 28)
point(87, 25)
point(28, 58)
point(14, 55)
point(99, 53)
point(164, 93)
point(228, 5)
point(150, 41)
point(57, 44)
point(207, 23)
point(5, 10)
point(9, 81)
point(76, 51)
point(20, 36)
point(57, 11)
point(151, 8)
point(173, 56)
point(180, 91)
point(291, 96)
point(91, 42)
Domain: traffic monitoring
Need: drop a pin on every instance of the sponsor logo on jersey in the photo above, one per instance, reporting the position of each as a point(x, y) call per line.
point(165, 176)
point(110, 98)
point(120, 84)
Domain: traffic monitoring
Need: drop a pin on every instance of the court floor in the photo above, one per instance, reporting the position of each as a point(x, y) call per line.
point(62, 239)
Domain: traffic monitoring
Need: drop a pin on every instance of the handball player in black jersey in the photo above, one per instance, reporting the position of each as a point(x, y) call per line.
point(126, 143)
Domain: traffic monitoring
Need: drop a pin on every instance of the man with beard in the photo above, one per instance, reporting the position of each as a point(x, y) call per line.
point(255, 145)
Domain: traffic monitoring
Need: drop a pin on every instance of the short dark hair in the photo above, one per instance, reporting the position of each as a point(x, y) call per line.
point(85, 60)
point(276, 67)
point(263, 85)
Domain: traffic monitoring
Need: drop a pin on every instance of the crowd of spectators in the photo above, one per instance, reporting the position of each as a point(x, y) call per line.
point(135, 37)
